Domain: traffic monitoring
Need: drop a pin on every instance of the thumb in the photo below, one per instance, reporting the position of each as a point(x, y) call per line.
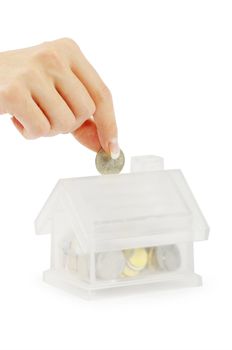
point(87, 135)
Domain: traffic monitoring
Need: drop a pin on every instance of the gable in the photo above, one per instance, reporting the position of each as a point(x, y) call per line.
point(110, 210)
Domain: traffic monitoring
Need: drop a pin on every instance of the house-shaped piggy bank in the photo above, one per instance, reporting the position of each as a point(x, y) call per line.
point(120, 232)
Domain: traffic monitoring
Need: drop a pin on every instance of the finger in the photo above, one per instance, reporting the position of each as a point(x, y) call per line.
point(104, 115)
point(76, 96)
point(17, 124)
point(87, 135)
point(57, 111)
point(30, 121)
point(19, 103)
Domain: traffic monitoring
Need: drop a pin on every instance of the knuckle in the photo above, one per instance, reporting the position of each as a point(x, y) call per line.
point(89, 110)
point(64, 126)
point(70, 125)
point(68, 42)
point(27, 135)
point(12, 92)
point(39, 130)
point(49, 57)
point(92, 109)
point(30, 75)
point(104, 94)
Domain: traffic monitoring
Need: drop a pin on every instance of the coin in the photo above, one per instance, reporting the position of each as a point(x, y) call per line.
point(136, 261)
point(106, 165)
point(109, 265)
point(152, 259)
point(128, 272)
point(168, 257)
point(136, 258)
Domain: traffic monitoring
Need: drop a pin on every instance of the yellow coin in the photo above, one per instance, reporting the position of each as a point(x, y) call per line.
point(136, 261)
point(128, 272)
point(138, 258)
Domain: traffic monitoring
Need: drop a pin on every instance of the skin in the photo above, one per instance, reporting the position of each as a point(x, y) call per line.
point(52, 89)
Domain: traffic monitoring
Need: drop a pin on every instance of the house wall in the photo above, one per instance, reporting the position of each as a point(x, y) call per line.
point(66, 255)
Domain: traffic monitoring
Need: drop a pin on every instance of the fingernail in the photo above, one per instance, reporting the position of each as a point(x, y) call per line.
point(114, 149)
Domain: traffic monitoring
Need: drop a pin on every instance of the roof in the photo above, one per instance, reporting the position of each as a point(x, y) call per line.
point(127, 210)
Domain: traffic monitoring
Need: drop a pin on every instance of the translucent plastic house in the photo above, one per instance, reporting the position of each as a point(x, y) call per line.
point(123, 232)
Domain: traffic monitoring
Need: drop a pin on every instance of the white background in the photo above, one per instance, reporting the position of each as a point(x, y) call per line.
point(168, 65)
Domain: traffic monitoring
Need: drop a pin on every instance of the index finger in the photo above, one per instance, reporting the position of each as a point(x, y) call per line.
point(104, 115)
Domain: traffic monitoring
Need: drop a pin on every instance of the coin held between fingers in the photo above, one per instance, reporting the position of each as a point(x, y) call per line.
point(105, 164)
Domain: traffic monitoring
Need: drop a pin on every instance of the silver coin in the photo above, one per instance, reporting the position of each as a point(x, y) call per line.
point(106, 165)
point(110, 265)
point(168, 257)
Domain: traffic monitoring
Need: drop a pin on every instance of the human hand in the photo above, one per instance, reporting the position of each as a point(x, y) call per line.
point(51, 89)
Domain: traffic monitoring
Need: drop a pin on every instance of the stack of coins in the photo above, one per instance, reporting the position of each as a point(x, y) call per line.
point(136, 261)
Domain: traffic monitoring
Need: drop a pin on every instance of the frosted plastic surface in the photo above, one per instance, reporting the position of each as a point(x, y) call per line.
point(147, 163)
point(123, 230)
point(124, 209)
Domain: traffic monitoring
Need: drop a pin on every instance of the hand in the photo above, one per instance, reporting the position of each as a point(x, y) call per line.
point(51, 89)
